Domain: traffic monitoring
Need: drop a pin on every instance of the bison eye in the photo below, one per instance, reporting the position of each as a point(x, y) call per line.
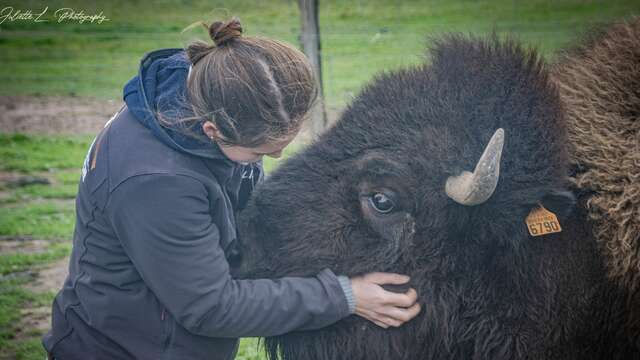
point(381, 203)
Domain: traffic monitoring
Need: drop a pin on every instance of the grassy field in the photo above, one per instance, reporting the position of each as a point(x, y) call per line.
point(359, 38)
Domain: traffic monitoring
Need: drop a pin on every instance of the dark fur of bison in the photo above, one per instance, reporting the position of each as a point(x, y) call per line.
point(390, 188)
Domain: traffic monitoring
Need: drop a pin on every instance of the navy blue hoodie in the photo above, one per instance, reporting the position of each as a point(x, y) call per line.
point(155, 223)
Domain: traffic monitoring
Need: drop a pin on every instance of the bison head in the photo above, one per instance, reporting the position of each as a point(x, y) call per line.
point(430, 172)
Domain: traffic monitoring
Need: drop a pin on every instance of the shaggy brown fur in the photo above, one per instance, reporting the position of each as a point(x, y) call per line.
point(599, 84)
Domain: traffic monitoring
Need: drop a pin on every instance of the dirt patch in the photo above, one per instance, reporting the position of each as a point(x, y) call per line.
point(37, 320)
point(55, 114)
point(10, 181)
point(4, 196)
point(58, 202)
point(34, 322)
point(15, 179)
point(50, 278)
point(7, 177)
point(22, 244)
point(73, 115)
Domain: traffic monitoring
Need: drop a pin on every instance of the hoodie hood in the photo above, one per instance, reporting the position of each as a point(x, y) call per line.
point(160, 89)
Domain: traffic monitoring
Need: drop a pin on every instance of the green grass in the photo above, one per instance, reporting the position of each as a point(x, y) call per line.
point(43, 220)
point(38, 211)
point(270, 163)
point(12, 299)
point(39, 153)
point(250, 349)
point(16, 262)
point(62, 191)
point(30, 349)
point(359, 38)
point(64, 186)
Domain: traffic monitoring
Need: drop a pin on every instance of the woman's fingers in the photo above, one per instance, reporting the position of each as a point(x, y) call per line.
point(414, 310)
point(380, 320)
point(384, 308)
point(390, 322)
point(401, 315)
point(391, 316)
point(386, 278)
point(381, 324)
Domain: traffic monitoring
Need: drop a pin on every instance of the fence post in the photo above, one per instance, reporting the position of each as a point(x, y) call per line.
point(310, 39)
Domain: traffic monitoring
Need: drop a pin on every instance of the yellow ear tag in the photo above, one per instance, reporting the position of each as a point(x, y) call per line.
point(541, 221)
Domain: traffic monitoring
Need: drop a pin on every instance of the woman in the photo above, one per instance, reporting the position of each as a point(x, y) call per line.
point(161, 185)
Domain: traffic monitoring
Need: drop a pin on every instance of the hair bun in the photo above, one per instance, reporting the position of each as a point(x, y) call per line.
point(223, 32)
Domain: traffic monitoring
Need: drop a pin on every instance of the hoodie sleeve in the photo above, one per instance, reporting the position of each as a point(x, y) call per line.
point(164, 225)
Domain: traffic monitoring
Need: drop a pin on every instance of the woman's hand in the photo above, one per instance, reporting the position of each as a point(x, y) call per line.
point(384, 308)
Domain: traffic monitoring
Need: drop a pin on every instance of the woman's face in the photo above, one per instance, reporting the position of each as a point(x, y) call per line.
point(243, 154)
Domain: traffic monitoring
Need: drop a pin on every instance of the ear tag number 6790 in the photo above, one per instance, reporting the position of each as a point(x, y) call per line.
point(541, 221)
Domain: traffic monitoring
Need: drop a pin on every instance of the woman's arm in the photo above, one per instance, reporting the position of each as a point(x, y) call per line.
point(164, 225)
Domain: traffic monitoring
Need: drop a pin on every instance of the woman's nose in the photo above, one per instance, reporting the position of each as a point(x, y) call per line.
point(276, 155)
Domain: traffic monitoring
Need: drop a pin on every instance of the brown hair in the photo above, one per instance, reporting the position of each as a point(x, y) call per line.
point(255, 90)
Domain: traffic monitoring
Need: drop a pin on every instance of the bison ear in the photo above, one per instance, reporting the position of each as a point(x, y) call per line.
point(560, 202)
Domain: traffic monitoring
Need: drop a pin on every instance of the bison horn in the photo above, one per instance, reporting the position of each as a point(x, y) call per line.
point(477, 187)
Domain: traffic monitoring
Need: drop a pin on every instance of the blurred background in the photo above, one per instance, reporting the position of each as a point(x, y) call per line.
point(60, 81)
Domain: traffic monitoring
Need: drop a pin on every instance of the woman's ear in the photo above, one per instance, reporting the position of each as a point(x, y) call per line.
point(211, 130)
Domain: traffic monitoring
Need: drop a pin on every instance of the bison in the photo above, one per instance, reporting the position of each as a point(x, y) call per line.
point(433, 171)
